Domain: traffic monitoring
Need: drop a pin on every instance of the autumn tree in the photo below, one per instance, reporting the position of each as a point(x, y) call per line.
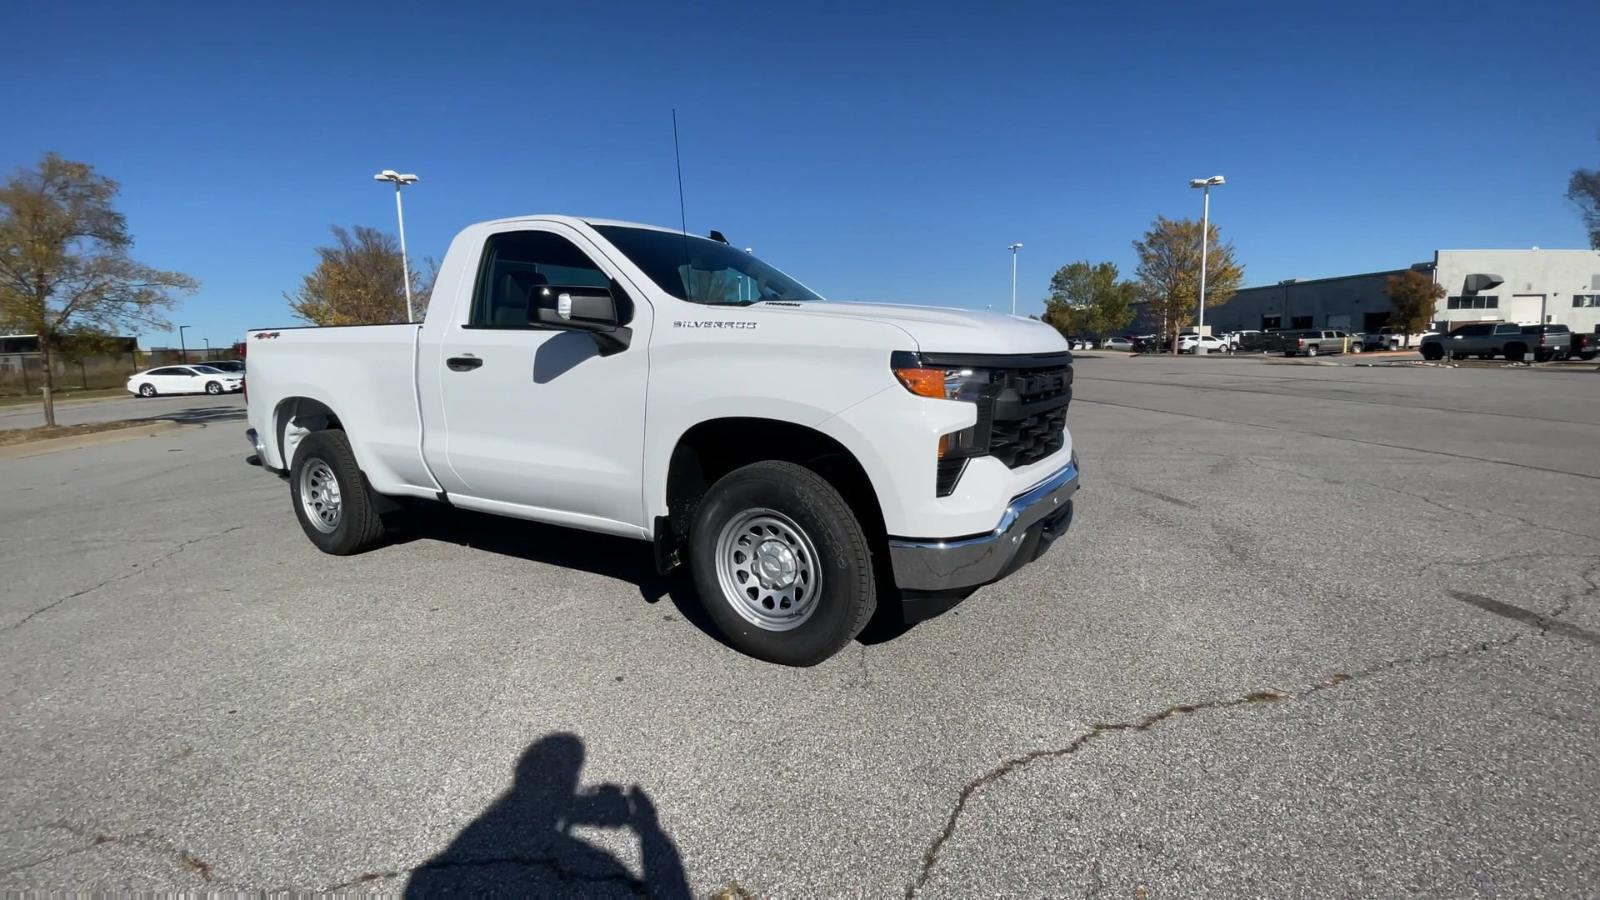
point(1169, 271)
point(1089, 298)
point(1584, 190)
point(1415, 297)
point(65, 273)
point(357, 281)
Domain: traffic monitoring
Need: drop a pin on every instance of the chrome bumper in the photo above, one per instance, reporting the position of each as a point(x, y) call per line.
point(1031, 522)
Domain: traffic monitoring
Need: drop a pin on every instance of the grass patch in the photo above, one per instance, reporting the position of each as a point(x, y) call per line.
point(13, 436)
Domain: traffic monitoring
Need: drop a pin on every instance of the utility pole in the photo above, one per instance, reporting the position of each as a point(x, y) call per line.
point(1205, 185)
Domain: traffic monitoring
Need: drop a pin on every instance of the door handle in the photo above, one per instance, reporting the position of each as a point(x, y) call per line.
point(463, 363)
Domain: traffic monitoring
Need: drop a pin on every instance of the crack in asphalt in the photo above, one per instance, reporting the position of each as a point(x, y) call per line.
point(1546, 625)
point(144, 840)
point(136, 570)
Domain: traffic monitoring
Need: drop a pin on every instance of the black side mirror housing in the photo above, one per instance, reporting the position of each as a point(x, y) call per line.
point(581, 308)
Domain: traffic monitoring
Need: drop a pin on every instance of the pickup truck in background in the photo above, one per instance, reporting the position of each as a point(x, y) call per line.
point(807, 459)
point(1306, 342)
point(1486, 340)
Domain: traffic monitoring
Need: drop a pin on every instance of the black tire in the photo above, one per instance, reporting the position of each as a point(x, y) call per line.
point(1486, 356)
point(213, 387)
point(1588, 355)
point(147, 390)
point(1311, 350)
point(1432, 351)
point(847, 596)
point(1515, 352)
point(358, 526)
point(1355, 347)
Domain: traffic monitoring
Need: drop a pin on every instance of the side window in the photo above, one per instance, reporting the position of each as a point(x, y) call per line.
point(517, 262)
point(170, 370)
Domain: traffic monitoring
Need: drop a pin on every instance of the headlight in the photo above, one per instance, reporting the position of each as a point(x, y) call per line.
point(967, 383)
point(941, 383)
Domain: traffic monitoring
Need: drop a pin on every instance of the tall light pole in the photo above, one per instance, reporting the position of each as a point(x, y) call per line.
point(400, 215)
point(1205, 185)
point(1014, 248)
point(208, 349)
point(182, 347)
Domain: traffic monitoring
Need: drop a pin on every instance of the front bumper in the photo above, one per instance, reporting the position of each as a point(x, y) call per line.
point(1032, 521)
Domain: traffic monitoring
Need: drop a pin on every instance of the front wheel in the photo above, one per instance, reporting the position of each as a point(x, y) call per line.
point(213, 388)
point(781, 564)
point(331, 498)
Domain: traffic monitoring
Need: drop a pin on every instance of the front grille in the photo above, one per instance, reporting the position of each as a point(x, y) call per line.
point(1030, 415)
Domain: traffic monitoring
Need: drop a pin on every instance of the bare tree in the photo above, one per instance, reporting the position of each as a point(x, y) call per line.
point(65, 273)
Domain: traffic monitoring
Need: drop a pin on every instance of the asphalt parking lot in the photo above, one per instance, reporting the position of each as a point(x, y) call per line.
point(1317, 631)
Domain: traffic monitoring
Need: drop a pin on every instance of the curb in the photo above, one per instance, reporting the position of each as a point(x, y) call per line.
point(78, 441)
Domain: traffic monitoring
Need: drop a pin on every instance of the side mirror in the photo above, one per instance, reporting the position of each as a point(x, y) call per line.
point(581, 308)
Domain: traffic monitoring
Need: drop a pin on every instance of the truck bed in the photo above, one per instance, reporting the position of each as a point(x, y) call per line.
point(373, 370)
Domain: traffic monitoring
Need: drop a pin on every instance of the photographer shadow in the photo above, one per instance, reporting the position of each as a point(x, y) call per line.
point(523, 844)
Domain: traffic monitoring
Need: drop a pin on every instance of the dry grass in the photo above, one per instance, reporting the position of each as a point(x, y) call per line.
point(14, 436)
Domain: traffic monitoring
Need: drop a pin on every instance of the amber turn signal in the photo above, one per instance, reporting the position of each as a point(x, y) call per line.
point(923, 382)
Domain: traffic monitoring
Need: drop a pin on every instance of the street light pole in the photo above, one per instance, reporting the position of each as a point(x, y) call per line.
point(1204, 184)
point(1014, 248)
point(182, 347)
point(400, 216)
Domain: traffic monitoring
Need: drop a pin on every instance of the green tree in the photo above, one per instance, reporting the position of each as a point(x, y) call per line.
point(1584, 190)
point(357, 281)
point(1089, 298)
point(1415, 297)
point(65, 273)
point(1169, 271)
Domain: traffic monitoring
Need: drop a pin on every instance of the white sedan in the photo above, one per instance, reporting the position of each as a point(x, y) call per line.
point(1117, 343)
point(184, 380)
point(1211, 344)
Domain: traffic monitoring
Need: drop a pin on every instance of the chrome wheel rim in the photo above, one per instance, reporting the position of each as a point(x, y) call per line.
point(213, 388)
point(768, 569)
point(147, 391)
point(319, 495)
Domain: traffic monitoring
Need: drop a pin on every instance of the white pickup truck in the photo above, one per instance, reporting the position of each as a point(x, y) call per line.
point(807, 459)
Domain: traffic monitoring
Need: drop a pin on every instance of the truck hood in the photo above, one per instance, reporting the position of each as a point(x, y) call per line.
point(938, 329)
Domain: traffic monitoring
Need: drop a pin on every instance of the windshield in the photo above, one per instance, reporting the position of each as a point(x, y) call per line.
point(715, 273)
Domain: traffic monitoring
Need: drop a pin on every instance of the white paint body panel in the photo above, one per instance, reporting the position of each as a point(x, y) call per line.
point(548, 429)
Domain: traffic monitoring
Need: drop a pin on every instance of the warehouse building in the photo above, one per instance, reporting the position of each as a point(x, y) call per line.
point(1524, 286)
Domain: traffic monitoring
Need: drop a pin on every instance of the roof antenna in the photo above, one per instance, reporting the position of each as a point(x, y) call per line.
point(683, 216)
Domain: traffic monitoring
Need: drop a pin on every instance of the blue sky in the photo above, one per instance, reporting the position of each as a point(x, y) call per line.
point(878, 151)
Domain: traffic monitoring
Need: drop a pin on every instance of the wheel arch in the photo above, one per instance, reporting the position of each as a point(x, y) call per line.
point(710, 449)
point(294, 418)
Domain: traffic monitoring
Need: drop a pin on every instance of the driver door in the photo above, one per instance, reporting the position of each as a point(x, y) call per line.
point(533, 417)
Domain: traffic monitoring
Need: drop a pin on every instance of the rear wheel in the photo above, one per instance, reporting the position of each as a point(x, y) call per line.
point(1311, 350)
point(331, 497)
point(1355, 348)
point(781, 564)
point(1515, 352)
point(147, 390)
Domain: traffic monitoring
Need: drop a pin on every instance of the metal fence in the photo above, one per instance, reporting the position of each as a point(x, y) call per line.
point(23, 373)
